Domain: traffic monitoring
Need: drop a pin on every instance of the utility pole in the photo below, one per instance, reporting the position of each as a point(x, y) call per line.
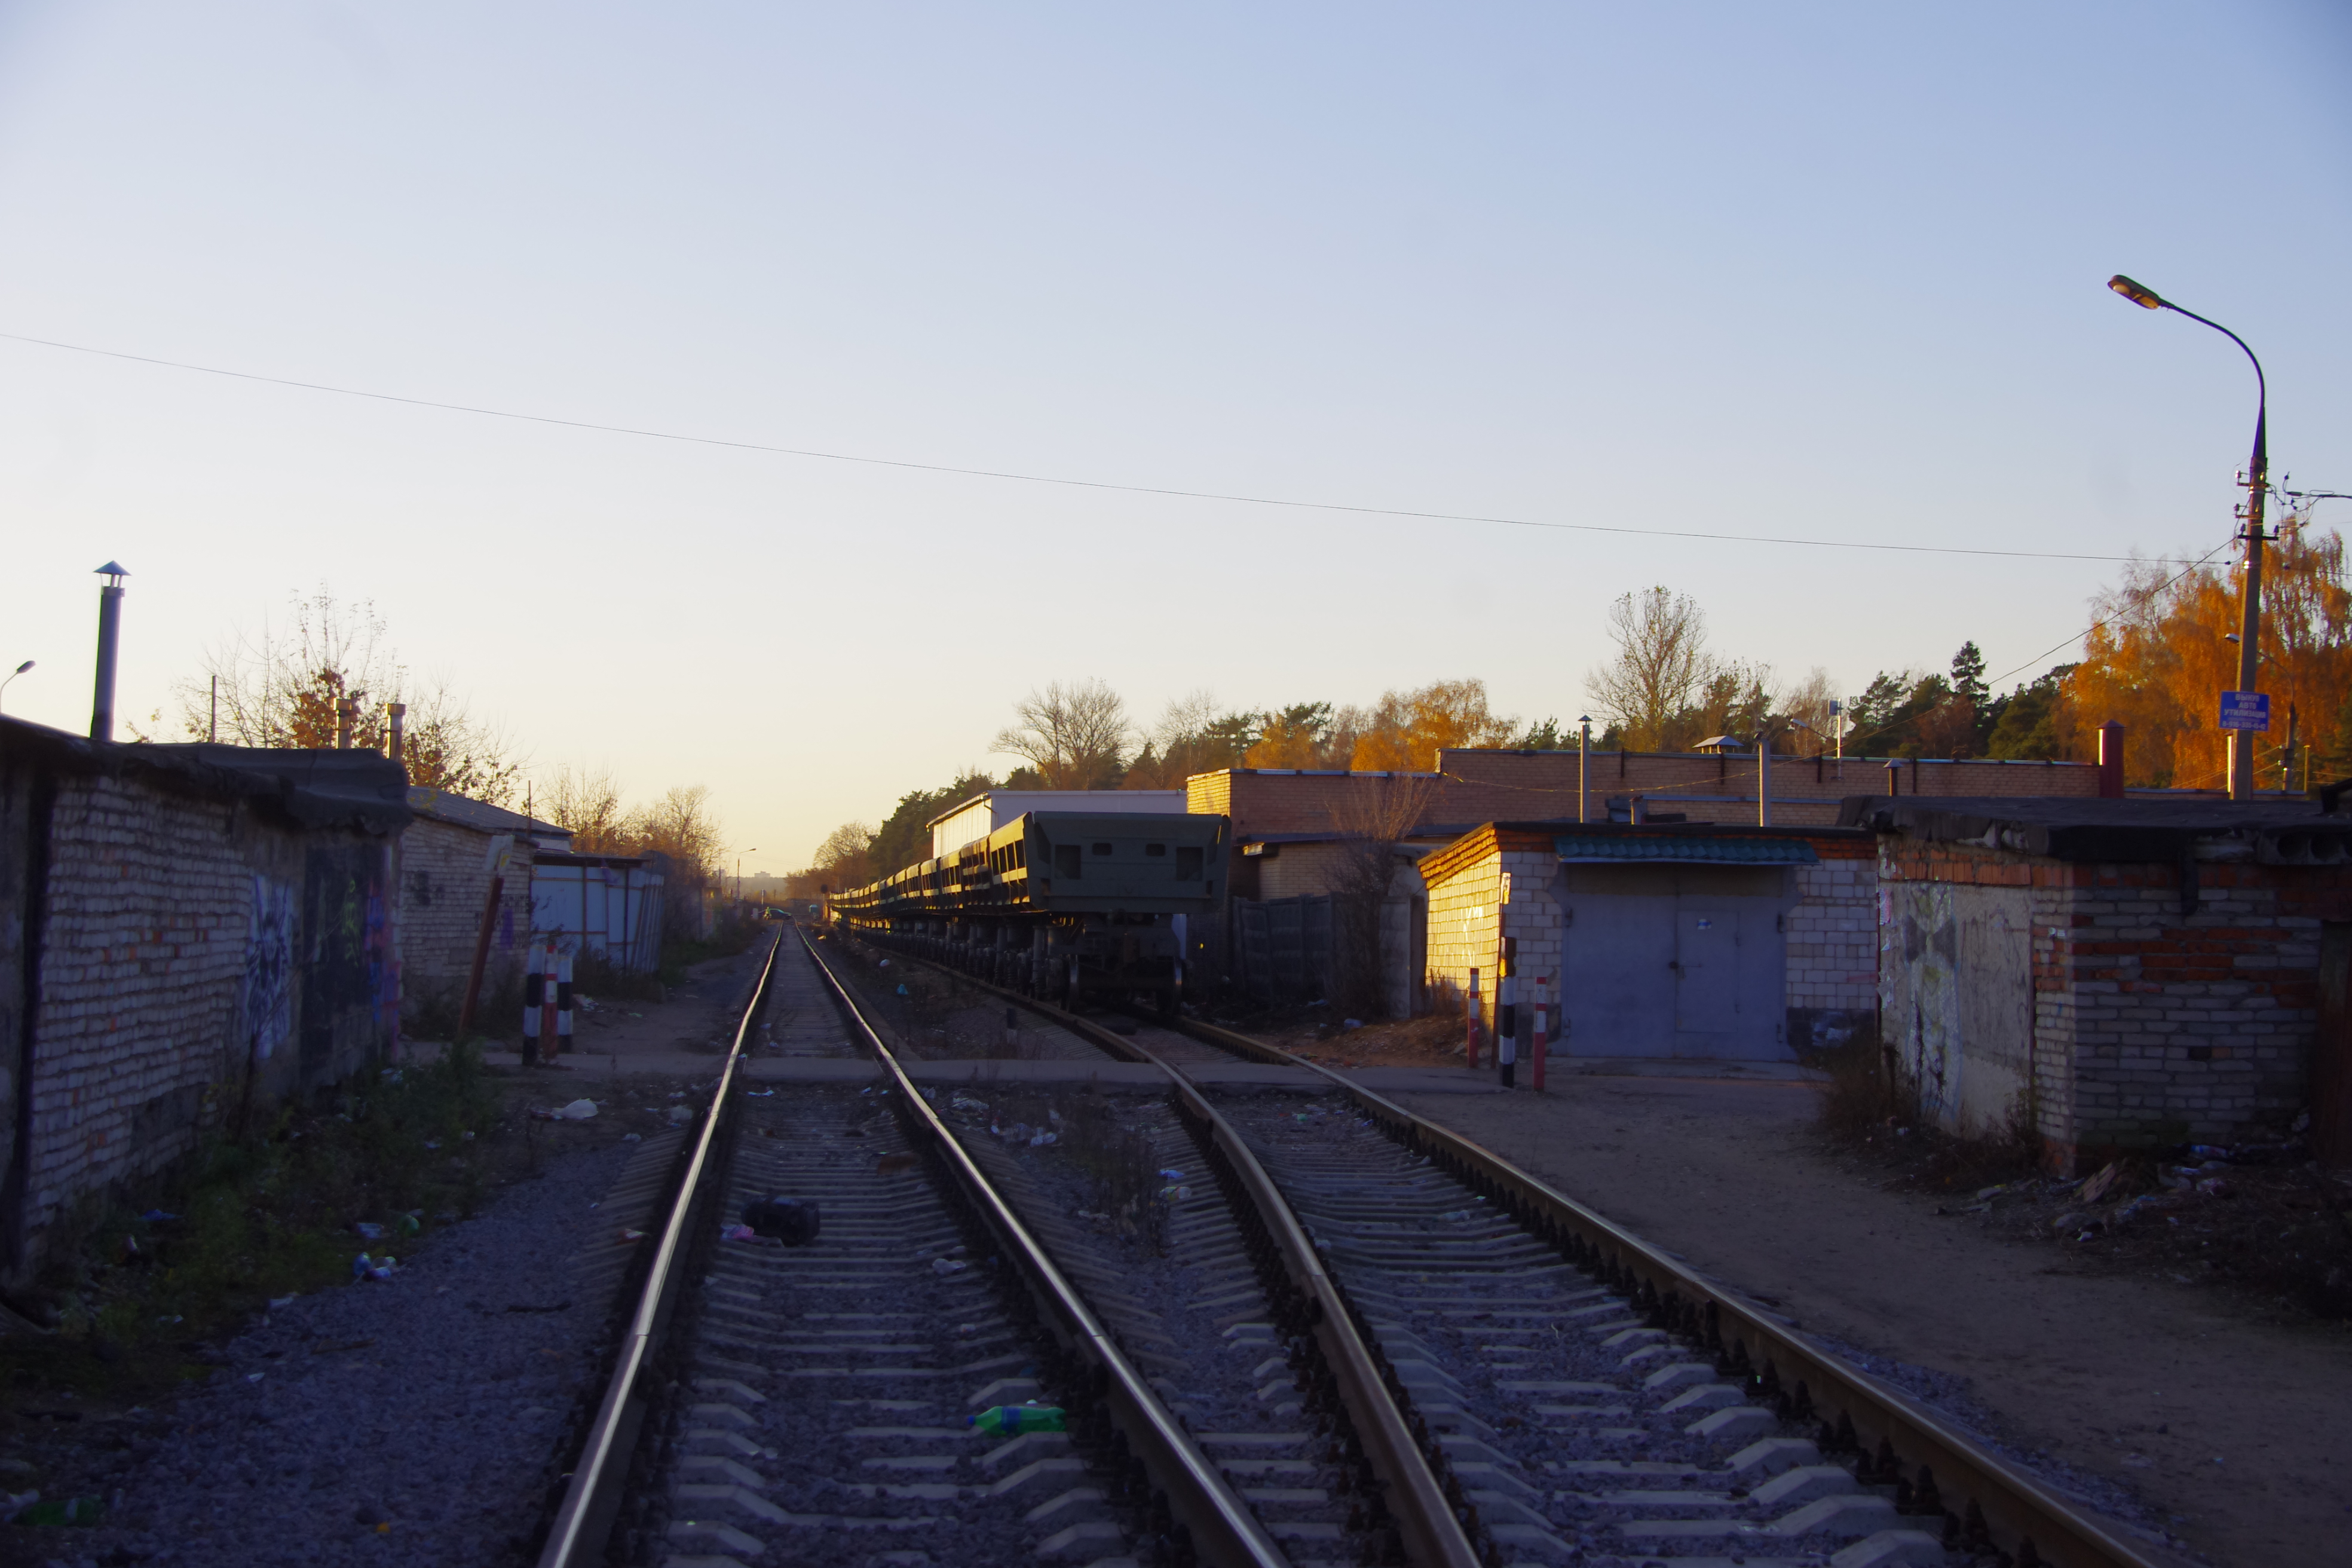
point(1583, 769)
point(2250, 625)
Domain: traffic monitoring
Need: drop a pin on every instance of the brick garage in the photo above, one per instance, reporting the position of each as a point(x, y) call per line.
point(189, 931)
point(2120, 974)
point(445, 880)
point(1671, 940)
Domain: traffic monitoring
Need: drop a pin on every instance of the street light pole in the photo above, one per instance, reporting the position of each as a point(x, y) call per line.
point(2250, 625)
point(15, 673)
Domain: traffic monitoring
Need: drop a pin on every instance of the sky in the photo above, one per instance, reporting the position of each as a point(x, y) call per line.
point(1827, 272)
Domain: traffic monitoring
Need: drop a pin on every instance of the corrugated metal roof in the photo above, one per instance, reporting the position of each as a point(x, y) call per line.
point(1686, 850)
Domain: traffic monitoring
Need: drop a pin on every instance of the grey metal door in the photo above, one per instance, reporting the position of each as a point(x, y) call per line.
point(1707, 969)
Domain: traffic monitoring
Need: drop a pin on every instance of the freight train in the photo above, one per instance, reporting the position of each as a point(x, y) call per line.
point(1059, 905)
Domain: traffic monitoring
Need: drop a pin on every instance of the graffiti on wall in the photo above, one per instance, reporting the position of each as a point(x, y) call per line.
point(348, 984)
point(269, 967)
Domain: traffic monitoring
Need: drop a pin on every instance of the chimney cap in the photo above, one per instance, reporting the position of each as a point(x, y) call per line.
point(113, 569)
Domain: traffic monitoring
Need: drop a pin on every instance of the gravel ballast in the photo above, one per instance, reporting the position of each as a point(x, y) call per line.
point(412, 1421)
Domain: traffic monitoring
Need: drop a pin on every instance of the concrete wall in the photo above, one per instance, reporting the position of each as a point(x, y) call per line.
point(176, 952)
point(2148, 1026)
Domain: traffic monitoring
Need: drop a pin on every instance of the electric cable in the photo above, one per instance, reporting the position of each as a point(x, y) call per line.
point(1061, 481)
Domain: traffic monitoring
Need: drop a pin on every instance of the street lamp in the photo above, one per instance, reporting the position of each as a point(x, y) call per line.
point(14, 674)
point(2242, 743)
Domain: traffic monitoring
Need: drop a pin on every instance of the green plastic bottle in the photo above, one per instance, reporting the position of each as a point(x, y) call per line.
point(1012, 1418)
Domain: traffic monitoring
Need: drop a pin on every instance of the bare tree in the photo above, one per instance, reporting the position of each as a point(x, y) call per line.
point(1375, 817)
point(845, 859)
point(589, 805)
point(1660, 665)
point(283, 688)
point(1076, 736)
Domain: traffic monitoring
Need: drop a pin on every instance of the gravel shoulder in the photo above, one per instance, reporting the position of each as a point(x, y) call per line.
point(413, 1420)
point(2235, 1430)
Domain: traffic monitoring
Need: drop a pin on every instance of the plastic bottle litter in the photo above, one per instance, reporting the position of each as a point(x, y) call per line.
point(411, 1223)
point(943, 1267)
point(680, 1115)
point(578, 1111)
point(795, 1222)
point(367, 1230)
point(1012, 1418)
point(377, 1269)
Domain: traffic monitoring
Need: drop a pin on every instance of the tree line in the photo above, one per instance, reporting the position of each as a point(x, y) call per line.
point(285, 686)
point(2162, 650)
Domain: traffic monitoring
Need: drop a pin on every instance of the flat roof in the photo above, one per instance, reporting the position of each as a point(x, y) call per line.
point(2086, 829)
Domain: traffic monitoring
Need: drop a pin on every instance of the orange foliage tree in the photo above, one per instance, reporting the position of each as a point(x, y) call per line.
point(1406, 730)
point(2162, 656)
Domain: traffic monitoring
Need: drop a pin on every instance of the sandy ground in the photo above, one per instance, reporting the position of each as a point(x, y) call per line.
point(2237, 1432)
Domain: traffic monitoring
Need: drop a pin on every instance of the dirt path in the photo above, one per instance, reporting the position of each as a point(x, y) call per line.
point(2238, 1431)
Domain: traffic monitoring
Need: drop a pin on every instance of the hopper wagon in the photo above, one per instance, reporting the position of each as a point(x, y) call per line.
point(1059, 905)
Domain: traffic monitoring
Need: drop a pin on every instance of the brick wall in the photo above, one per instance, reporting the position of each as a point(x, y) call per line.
point(1467, 919)
point(2151, 1025)
point(1832, 937)
point(1477, 785)
point(175, 977)
point(444, 880)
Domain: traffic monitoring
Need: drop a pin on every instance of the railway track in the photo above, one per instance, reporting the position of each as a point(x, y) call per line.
point(1572, 1394)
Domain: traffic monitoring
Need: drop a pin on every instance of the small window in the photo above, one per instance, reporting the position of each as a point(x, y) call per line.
point(1020, 854)
point(1188, 863)
point(1161, 849)
point(1102, 848)
point(1066, 861)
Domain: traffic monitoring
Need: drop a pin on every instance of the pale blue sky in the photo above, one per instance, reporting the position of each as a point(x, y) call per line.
point(1824, 270)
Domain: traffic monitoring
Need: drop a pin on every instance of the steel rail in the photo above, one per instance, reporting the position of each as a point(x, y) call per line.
point(2016, 1508)
point(1433, 1533)
point(1224, 1531)
point(584, 1519)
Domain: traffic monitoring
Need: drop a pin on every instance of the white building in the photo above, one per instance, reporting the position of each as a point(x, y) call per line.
point(983, 814)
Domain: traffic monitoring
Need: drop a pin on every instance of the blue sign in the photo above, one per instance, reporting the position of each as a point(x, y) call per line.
point(2245, 711)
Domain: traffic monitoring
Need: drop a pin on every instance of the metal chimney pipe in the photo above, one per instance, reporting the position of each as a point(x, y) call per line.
point(346, 715)
point(396, 715)
point(2111, 760)
point(109, 644)
point(1764, 779)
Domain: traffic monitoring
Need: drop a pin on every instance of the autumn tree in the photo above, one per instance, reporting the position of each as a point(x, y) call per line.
point(1076, 736)
point(283, 687)
point(1660, 668)
point(1405, 731)
point(2163, 653)
point(1302, 735)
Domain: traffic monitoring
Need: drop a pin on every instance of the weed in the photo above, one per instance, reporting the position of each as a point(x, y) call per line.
point(240, 1222)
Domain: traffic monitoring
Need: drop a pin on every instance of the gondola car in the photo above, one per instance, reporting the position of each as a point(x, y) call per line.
point(1060, 905)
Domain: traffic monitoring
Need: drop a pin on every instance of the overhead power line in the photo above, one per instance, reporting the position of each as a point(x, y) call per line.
point(1061, 481)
